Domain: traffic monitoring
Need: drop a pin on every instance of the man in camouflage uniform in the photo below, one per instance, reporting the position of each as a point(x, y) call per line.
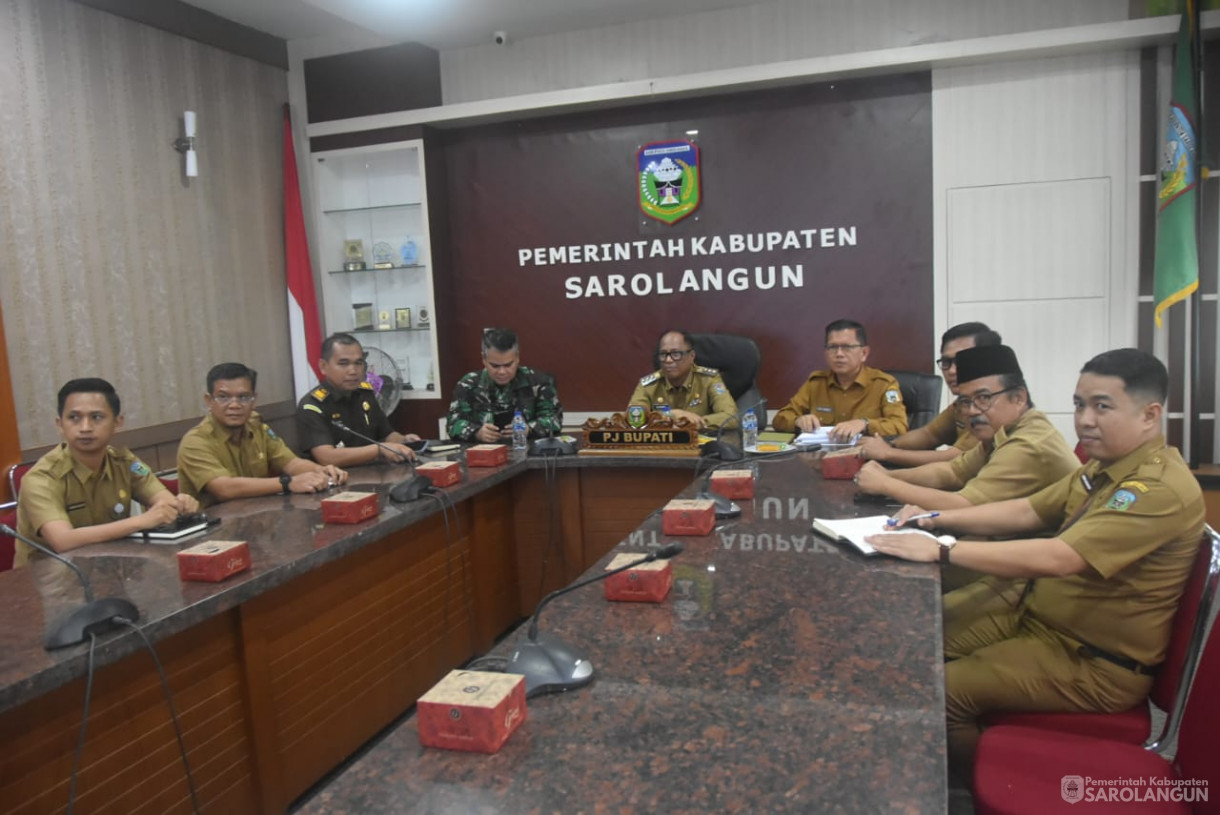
point(690, 391)
point(485, 401)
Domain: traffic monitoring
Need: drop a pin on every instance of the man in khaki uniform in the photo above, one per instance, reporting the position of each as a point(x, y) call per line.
point(232, 454)
point(690, 391)
point(948, 435)
point(853, 398)
point(1020, 451)
point(1093, 626)
point(80, 492)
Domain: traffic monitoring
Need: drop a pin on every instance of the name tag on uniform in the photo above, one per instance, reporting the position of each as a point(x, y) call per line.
point(75, 507)
point(821, 409)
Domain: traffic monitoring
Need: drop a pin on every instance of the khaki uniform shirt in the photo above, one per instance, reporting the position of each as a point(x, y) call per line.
point(1139, 526)
point(60, 488)
point(948, 428)
point(1023, 458)
point(703, 393)
point(874, 395)
point(206, 452)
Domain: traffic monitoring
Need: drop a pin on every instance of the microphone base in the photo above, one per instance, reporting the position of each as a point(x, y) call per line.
point(549, 665)
point(725, 507)
point(96, 617)
point(411, 489)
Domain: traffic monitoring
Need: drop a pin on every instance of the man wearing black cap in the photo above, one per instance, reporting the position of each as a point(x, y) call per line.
point(1020, 451)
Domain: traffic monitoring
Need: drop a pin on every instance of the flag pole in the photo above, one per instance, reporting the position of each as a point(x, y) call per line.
point(1195, 337)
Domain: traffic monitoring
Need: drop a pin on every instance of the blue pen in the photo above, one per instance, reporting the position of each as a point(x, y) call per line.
point(911, 520)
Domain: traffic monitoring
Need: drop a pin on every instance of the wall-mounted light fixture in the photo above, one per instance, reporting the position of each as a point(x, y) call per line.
point(186, 144)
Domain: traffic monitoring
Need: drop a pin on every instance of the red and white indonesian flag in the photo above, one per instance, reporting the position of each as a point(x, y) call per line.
point(304, 328)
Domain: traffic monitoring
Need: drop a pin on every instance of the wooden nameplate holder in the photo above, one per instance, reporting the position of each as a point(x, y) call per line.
point(658, 435)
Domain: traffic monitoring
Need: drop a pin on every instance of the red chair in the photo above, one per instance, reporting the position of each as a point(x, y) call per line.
point(8, 544)
point(1168, 690)
point(1080, 453)
point(1026, 769)
point(15, 474)
point(169, 478)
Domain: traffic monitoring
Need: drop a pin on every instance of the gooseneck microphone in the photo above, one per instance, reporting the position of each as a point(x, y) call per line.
point(93, 618)
point(409, 489)
point(724, 450)
point(550, 665)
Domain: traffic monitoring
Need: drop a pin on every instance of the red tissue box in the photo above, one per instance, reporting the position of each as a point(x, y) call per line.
point(646, 583)
point(733, 483)
point(689, 517)
point(487, 455)
point(213, 561)
point(842, 464)
point(349, 507)
point(441, 473)
point(474, 711)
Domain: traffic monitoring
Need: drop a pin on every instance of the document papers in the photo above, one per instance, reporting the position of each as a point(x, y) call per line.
point(855, 530)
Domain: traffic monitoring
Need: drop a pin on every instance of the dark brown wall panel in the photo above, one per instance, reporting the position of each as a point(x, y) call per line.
point(378, 80)
point(845, 154)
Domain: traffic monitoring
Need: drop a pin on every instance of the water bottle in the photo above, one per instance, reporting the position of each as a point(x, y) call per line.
point(665, 412)
point(749, 430)
point(520, 431)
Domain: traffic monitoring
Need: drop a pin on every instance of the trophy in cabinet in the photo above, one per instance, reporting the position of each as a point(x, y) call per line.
point(353, 255)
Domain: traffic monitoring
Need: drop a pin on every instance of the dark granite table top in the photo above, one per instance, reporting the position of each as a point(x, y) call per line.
point(782, 674)
point(286, 539)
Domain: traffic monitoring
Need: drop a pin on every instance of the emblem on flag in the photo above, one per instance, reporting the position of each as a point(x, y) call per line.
point(669, 179)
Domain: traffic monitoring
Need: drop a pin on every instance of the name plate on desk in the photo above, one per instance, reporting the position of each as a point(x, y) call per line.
point(658, 434)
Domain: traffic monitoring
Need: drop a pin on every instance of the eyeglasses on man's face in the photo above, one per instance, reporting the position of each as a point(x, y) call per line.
point(834, 349)
point(982, 402)
point(674, 355)
point(946, 363)
point(225, 399)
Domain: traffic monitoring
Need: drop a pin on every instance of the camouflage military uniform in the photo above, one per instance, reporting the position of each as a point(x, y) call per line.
point(478, 400)
point(703, 393)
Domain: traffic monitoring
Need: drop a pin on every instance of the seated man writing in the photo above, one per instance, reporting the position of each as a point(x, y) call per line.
point(690, 391)
point(232, 454)
point(346, 396)
point(948, 430)
point(1019, 453)
point(484, 402)
point(1093, 625)
point(80, 492)
point(853, 398)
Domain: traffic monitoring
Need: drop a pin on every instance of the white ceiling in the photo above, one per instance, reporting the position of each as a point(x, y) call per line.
point(446, 23)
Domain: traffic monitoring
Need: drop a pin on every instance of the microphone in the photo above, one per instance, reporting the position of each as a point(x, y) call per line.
point(724, 450)
point(94, 617)
point(409, 489)
point(548, 663)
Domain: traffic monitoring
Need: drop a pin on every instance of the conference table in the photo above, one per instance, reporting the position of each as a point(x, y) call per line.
point(784, 673)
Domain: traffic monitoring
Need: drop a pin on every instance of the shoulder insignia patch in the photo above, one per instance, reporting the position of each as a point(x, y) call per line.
point(314, 408)
point(652, 377)
point(1139, 485)
point(892, 396)
point(719, 388)
point(270, 432)
point(140, 468)
point(366, 385)
point(1121, 500)
point(703, 369)
point(319, 393)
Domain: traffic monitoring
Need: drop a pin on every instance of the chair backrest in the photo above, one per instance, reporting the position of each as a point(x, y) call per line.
point(1196, 756)
point(15, 474)
point(920, 395)
point(1187, 644)
point(169, 480)
point(8, 544)
point(1080, 453)
point(738, 360)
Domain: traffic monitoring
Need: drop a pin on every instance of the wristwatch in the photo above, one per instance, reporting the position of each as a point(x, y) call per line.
point(947, 542)
point(285, 480)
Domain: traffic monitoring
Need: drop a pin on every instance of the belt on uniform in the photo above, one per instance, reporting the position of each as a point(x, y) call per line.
point(1093, 652)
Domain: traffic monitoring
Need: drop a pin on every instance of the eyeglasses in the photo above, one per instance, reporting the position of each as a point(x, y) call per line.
point(225, 399)
point(981, 401)
point(946, 363)
point(834, 349)
point(674, 355)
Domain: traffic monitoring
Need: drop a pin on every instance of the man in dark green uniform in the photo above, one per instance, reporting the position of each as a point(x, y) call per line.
point(346, 396)
point(485, 401)
point(690, 391)
point(80, 492)
point(1093, 625)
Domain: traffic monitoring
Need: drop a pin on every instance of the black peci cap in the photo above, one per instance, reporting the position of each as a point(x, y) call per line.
point(986, 360)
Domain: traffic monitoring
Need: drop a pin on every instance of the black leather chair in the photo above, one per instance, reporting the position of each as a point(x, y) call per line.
point(738, 360)
point(920, 394)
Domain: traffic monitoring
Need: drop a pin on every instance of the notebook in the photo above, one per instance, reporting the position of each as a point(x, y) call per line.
point(855, 530)
point(183, 526)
